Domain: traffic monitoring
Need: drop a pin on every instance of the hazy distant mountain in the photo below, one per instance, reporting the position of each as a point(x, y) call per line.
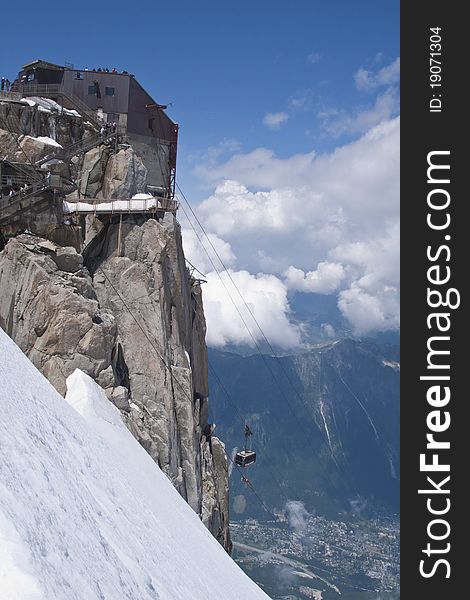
point(325, 423)
point(322, 320)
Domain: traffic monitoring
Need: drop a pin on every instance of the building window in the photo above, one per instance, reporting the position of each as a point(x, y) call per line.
point(79, 75)
point(151, 123)
point(109, 91)
point(92, 90)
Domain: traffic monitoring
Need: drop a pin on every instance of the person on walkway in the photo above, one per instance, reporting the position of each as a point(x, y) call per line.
point(102, 132)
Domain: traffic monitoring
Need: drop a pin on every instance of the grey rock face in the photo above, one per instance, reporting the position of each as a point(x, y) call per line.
point(33, 149)
point(160, 355)
point(31, 121)
point(129, 316)
point(125, 175)
point(8, 145)
point(105, 174)
point(92, 171)
point(131, 319)
point(52, 315)
point(67, 259)
point(215, 505)
point(120, 398)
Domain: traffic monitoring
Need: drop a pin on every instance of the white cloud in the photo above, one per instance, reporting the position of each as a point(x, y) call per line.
point(378, 255)
point(370, 312)
point(313, 58)
point(371, 302)
point(338, 123)
point(386, 76)
point(318, 196)
point(260, 168)
point(297, 515)
point(329, 330)
point(216, 152)
point(324, 280)
point(275, 120)
point(327, 223)
point(301, 100)
point(233, 207)
point(194, 250)
point(266, 296)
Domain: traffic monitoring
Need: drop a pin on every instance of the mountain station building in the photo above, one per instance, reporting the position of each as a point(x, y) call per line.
point(108, 96)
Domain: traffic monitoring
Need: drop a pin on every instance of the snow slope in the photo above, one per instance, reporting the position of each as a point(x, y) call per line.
point(84, 511)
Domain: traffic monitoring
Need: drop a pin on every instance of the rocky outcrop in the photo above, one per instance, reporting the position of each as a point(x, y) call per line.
point(33, 149)
point(125, 175)
point(131, 318)
point(28, 150)
point(123, 309)
point(31, 119)
point(8, 145)
point(53, 315)
point(92, 171)
point(107, 174)
point(215, 492)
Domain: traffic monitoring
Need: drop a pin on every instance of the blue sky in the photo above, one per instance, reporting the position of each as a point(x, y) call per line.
point(294, 104)
point(223, 65)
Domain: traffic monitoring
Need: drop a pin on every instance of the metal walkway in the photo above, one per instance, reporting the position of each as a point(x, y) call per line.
point(79, 147)
point(27, 198)
point(11, 207)
point(99, 206)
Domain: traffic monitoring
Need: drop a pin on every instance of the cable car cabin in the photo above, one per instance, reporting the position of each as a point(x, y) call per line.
point(245, 458)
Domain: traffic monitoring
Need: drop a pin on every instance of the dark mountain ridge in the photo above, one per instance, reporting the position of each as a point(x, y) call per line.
point(325, 425)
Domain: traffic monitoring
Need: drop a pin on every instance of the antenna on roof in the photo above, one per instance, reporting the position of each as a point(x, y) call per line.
point(68, 65)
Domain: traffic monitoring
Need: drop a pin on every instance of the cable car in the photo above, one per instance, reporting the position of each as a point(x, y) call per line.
point(247, 456)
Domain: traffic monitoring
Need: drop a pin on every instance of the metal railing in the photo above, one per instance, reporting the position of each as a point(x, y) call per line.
point(13, 205)
point(23, 200)
point(31, 190)
point(9, 95)
point(30, 89)
point(27, 171)
point(83, 108)
point(97, 206)
point(79, 147)
point(15, 180)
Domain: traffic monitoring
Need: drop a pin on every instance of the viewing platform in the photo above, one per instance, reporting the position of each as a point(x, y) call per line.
point(139, 204)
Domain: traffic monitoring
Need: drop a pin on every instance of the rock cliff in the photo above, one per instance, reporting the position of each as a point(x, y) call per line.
point(124, 310)
point(42, 117)
point(133, 321)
